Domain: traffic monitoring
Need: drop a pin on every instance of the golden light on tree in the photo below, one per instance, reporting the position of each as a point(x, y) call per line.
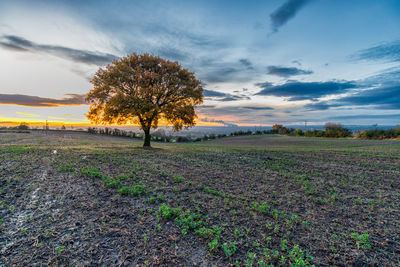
point(143, 89)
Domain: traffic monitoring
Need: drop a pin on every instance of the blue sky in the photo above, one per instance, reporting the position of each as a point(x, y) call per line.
point(261, 62)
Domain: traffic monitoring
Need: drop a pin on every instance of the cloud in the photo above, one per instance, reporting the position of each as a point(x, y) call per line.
point(384, 97)
point(257, 108)
point(20, 44)
point(287, 71)
point(219, 74)
point(367, 116)
point(245, 62)
point(296, 91)
point(27, 114)
point(225, 123)
point(386, 51)
point(286, 12)
point(223, 97)
point(36, 101)
point(319, 106)
point(242, 111)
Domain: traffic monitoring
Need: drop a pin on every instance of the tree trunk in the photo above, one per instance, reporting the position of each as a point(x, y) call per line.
point(147, 138)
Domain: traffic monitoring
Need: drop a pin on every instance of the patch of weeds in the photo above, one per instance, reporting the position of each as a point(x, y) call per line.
point(135, 190)
point(188, 221)
point(122, 177)
point(178, 179)
point(213, 192)
point(213, 245)
point(299, 258)
point(362, 240)
point(113, 183)
point(144, 236)
point(91, 172)
point(230, 249)
point(66, 168)
point(59, 250)
point(250, 259)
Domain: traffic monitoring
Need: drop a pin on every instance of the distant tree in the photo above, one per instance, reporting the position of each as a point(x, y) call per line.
point(63, 127)
point(143, 89)
point(23, 126)
point(336, 130)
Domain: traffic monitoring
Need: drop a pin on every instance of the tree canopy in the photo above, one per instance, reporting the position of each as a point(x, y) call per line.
point(143, 89)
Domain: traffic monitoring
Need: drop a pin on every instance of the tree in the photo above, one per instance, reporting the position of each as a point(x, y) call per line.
point(143, 89)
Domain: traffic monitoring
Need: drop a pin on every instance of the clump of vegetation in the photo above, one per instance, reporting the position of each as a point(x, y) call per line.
point(135, 190)
point(362, 240)
point(379, 133)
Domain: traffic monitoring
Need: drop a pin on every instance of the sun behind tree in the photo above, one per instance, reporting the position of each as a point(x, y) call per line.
point(143, 89)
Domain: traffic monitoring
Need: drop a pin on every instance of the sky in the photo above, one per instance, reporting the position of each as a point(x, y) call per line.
point(261, 62)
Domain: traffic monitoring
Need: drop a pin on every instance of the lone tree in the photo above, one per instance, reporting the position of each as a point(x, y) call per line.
point(143, 89)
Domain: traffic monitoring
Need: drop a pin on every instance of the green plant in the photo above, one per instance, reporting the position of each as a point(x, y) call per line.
point(250, 259)
point(362, 240)
point(299, 258)
point(230, 249)
point(213, 245)
point(66, 168)
point(165, 211)
point(135, 190)
point(188, 221)
point(91, 172)
point(114, 183)
point(144, 236)
point(283, 244)
point(178, 179)
point(60, 249)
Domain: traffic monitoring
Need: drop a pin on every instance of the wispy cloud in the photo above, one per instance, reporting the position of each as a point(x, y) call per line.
point(20, 44)
point(296, 91)
point(386, 51)
point(287, 71)
point(36, 101)
point(226, 123)
point(286, 12)
point(367, 116)
point(218, 96)
point(27, 114)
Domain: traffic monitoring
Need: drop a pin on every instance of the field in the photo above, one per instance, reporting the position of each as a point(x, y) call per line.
point(78, 199)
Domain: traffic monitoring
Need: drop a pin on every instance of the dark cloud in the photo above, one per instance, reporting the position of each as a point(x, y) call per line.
point(387, 51)
point(287, 71)
point(386, 97)
point(296, 91)
point(241, 111)
point(211, 93)
point(172, 53)
point(36, 101)
point(223, 97)
point(257, 108)
point(286, 12)
point(319, 106)
point(245, 62)
point(17, 43)
point(366, 116)
point(216, 74)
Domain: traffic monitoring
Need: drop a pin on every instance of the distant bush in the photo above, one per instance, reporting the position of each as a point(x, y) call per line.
point(379, 133)
point(297, 132)
point(22, 126)
point(336, 130)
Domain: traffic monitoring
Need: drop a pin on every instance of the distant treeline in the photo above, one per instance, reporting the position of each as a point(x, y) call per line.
point(331, 130)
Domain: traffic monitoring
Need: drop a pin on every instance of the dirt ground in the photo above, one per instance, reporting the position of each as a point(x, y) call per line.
point(89, 200)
